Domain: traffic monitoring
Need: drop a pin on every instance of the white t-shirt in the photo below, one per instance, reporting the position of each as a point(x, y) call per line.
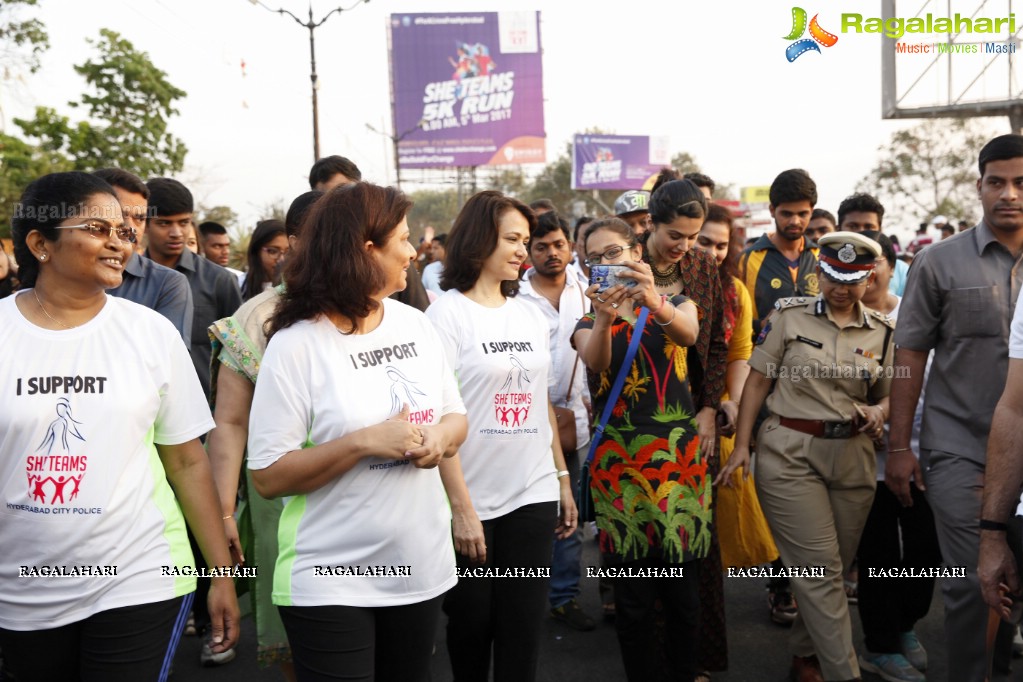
point(1016, 353)
point(431, 277)
point(502, 358)
point(83, 487)
point(316, 385)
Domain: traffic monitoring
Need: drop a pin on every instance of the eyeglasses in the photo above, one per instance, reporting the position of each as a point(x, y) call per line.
point(274, 252)
point(127, 235)
point(610, 254)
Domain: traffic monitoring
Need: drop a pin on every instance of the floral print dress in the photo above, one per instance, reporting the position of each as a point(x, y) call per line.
point(650, 485)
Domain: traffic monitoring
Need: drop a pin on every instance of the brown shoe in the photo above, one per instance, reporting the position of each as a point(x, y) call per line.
point(805, 669)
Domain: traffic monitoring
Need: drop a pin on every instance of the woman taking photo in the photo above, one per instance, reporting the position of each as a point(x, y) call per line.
point(677, 210)
point(99, 458)
point(648, 479)
point(514, 470)
point(354, 408)
point(828, 359)
point(268, 245)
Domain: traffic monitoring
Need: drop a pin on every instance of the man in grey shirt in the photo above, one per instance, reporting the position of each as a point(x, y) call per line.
point(959, 301)
point(215, 292)
point(144, 282)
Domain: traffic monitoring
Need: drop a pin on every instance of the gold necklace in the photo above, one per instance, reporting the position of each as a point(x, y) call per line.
point(666, 278)
point(51, 317)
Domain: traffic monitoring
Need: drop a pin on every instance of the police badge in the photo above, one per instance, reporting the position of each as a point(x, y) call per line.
point(847, 254)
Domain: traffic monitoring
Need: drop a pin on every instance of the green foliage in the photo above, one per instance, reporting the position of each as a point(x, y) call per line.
point(20, 164)
point(227, 217)
point(928, 170)
point(22, 41)
point(273, 210)
point(128, 101)
point(217, 214)
point(554, 182)
point(432, 207)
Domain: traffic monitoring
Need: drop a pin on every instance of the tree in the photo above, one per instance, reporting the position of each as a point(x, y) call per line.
point(432, 207)
point(20, 164)
point(129, 102)
point(22, 41)
point(217, 214)
point(554, 182)
point(928, 170)
point(273, 210)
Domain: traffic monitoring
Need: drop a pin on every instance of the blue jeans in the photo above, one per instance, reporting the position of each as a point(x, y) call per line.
point(566, 569)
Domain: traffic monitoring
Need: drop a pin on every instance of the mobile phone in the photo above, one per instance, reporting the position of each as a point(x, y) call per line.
point(606, 276)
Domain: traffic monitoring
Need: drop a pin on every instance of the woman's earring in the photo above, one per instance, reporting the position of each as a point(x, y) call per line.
point(42, 257)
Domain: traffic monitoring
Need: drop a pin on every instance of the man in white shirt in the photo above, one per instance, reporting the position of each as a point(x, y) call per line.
point(560, 297)
point(435, 268)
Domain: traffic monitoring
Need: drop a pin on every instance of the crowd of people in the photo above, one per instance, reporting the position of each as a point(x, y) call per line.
point(395, 449)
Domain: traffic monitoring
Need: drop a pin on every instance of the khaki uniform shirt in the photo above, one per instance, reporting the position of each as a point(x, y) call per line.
point(821, 369)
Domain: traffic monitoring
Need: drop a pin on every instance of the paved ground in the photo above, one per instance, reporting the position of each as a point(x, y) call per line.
point(757, 648)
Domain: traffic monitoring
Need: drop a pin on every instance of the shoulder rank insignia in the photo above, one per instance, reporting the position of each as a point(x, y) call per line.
point(789, 302)
point(884, 319)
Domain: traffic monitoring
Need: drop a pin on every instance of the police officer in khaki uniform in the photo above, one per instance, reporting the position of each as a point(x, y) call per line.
point(829, 361)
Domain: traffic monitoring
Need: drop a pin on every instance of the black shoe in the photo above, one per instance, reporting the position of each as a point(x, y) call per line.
point(573, 616)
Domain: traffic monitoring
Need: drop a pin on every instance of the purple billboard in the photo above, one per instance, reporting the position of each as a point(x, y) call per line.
point(617, 161)
point(467, 89)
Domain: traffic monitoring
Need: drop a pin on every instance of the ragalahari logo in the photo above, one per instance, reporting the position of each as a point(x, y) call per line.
point(818, 35)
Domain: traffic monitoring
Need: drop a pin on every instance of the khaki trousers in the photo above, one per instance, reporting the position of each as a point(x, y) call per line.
point(816, 494)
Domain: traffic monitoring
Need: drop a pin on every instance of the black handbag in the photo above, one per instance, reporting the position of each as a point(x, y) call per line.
point(587, 511)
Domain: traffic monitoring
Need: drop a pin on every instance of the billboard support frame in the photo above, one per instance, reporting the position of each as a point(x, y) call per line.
point(1010, 107)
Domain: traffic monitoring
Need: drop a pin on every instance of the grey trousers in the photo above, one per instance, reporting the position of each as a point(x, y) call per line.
point(955, 486)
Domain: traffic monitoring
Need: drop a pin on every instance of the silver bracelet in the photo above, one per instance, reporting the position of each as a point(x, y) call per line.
point(563, 473)
point(670, 319)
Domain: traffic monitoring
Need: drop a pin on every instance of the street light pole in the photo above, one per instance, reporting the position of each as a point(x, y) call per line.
point(395, 139)
point(313, 78)
point(312, 25)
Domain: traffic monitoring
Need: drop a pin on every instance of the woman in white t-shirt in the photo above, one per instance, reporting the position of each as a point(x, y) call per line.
point(510, 473)
point(100, 459)
point(354, 408)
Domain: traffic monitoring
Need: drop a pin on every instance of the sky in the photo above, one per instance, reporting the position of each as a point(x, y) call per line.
point(710, 75)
